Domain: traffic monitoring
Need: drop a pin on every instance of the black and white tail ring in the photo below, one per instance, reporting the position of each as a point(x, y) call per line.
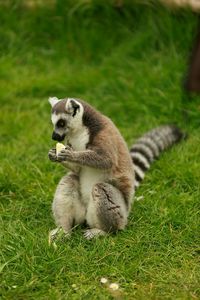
point(149, 147)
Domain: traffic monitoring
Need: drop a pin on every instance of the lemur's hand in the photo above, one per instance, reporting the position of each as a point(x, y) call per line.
point(52, 155)
point(65, 154)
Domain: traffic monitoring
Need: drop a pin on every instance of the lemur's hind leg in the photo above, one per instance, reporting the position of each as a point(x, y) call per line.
point(67, 207)
point(107, 211)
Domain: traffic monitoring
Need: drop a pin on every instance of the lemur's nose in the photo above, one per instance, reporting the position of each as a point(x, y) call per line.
point(57, 137)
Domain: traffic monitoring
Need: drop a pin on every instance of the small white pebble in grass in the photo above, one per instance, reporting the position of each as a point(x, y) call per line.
point(114, 286)
point(139, 198)
point(104, 280)
point(14, 286)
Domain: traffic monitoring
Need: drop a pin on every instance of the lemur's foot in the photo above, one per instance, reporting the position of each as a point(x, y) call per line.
point(58, 234)
point(53, 234)
point(92, 233)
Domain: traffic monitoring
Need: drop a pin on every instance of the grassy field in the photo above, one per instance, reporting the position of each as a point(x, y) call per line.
point(130, 64)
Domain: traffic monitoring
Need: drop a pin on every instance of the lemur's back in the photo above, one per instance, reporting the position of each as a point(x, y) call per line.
point(109, 142)
point(122, 172)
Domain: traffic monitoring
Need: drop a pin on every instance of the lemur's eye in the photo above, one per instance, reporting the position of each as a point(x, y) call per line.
point(61, 123)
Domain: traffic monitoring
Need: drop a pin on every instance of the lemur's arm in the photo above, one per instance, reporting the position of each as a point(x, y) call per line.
point(95, 158)
point(71, 166)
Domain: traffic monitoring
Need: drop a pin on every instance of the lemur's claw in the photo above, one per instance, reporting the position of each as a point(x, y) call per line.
point(52, 155)
point(64, 155)
point(52, 234)
point(67, 147)
point(57, 235)
point(92, 233)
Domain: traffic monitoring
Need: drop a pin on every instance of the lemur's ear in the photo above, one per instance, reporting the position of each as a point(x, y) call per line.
point(72, 106)
point(53, 101)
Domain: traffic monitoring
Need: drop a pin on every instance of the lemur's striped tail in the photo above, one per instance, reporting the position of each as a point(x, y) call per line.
point(150, 145)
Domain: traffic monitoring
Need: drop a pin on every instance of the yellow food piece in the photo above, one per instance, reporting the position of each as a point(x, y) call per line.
point(59, 147)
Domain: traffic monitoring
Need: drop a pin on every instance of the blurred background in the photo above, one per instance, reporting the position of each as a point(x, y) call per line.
point(107, 52)
point(134, 61)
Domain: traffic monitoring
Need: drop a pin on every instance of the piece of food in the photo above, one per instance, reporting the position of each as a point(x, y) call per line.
point(59, 147)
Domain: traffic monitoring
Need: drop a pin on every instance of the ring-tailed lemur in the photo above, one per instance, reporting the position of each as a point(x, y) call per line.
point(104, 174)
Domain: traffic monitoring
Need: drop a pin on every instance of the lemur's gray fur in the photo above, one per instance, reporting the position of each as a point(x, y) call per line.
point(103, 175)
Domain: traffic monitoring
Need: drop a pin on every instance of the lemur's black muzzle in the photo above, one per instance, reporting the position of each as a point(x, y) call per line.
point(57, 137)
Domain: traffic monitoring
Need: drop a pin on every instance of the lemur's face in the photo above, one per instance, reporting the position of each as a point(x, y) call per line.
point(66, 117)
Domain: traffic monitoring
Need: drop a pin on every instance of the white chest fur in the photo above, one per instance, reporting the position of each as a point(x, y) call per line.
point(88, 178)
point(79, 139)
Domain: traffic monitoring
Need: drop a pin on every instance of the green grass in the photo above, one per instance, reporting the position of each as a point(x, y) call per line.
point(129, 64)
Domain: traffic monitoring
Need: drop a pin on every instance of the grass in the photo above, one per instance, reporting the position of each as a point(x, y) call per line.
point(129, 64)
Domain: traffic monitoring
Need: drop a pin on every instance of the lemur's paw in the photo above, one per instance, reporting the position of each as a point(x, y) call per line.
point(53, 233)
point(65, 154)
point(92, 233)
point(57, 235)
point(52, 155)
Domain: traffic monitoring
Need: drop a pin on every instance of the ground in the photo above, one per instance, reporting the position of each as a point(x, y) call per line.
point(129, 63)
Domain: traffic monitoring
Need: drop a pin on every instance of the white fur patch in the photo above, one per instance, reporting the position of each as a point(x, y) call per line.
point(68, 105)
point(55, 117)
point(76, 121)
point(88, 178)
point(141, 158)
point(79, 139)
point(139, 171)
point(53, 101)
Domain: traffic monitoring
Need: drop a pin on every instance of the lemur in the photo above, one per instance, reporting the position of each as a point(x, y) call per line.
point(104, 174)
